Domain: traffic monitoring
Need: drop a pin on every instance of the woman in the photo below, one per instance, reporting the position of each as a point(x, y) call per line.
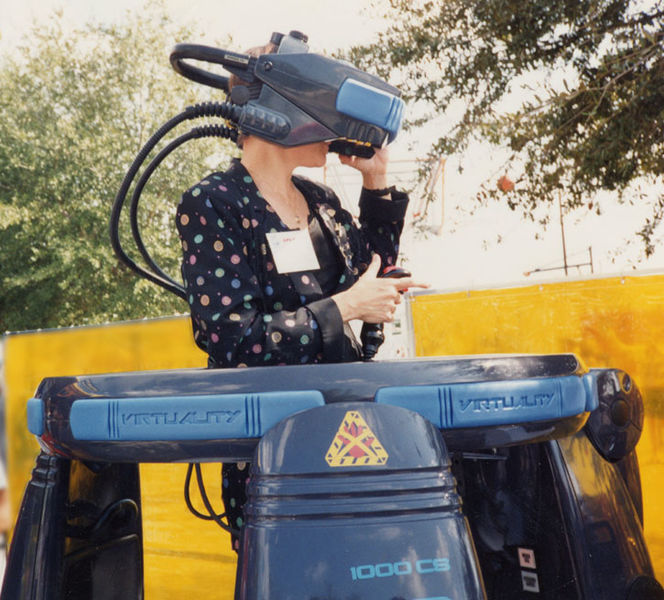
point(275, 269)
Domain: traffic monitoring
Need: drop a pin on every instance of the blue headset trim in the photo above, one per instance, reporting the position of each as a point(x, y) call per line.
point(371, 105)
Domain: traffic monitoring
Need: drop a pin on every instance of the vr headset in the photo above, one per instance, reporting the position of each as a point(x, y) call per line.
point(293, 97)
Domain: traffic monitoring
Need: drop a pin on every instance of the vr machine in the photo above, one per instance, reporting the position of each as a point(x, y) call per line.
point(462, 478)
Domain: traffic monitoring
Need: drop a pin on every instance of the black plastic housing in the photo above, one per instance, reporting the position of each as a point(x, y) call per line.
point(392, 528)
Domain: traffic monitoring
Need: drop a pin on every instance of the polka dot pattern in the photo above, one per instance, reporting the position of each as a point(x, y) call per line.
point(246, 313)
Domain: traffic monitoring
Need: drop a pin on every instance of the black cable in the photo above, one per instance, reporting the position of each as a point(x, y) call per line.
point(216, 518)
point(197, 132)
point(212, 515)
point(208, 109)
point(187, 497)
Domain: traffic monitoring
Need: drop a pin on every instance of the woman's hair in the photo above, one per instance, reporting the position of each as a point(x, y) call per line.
point(234, 80)
point(268, 48)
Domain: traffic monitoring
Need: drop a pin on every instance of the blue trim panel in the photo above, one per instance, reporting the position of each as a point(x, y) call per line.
point(592, 395)
point(371, 105)
point(36, 416)
point(486, 403)
point(214, 417)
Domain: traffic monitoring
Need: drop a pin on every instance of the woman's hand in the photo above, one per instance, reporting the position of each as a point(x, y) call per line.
point(373, 299)
point(374, 169)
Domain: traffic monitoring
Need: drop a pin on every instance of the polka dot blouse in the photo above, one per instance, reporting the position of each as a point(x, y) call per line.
point(245, 313)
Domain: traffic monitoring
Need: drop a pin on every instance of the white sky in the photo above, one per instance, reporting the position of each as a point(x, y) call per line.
point(330, 23)
point(467, 253)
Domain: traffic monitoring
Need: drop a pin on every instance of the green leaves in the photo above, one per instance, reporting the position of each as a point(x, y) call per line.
point(596, 119)
point(74, 111)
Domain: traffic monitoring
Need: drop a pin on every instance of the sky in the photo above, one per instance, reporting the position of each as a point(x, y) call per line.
point(488, 247)
point(330, 23)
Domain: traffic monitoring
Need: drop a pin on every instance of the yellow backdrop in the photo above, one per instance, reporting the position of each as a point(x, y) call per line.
point(182, 553)
point(608, 322)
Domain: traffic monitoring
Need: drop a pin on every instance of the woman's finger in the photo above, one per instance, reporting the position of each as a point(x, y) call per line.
point(374, 267)
point(405, 283)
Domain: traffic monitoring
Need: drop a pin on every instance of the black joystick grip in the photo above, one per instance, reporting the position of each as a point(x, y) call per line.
point(372, 335)
point(395, 272)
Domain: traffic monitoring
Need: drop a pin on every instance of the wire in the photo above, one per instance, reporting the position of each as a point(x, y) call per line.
point(207, 109)
point(187, 497)
point(196, 132)
point(211, 515)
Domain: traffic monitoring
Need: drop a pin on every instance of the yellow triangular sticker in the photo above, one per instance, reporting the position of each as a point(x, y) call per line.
point(355, 444)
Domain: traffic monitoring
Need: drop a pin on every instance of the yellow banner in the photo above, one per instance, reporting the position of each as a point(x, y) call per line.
point(607, 322)
point(181, 553)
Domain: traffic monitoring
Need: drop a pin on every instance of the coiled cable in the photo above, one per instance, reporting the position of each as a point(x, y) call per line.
point(213, 130)
point(223, 110)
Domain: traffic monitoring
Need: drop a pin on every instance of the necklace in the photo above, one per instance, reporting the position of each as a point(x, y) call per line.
point(291, 204)
point(287, 199)
point(298, 219)
point(292, 201)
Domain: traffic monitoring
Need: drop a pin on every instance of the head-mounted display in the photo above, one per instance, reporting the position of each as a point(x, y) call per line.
point(294, 97)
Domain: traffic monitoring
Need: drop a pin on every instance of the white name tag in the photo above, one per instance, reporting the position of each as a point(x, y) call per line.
point(293, 251)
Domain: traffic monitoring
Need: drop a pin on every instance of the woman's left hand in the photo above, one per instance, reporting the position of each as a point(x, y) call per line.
point(374, 169)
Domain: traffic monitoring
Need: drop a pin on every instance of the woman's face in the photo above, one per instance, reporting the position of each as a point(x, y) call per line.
point(310, 155)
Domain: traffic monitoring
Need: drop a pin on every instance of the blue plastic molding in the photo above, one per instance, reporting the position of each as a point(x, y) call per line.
point(486, 403)
point(210, 417)
point(370, 104)
point(36, 416)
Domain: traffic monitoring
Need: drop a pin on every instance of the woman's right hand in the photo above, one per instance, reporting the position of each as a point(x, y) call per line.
point(373, 299)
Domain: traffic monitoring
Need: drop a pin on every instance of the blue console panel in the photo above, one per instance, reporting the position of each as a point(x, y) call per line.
point(222, 416)
point(209, 414)
point(487, 403)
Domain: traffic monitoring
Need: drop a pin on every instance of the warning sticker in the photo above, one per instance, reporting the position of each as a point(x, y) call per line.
point(355, 444)
point(530, 582)
point(527, 558)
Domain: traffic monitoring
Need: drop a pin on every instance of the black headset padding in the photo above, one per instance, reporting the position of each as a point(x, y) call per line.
point(236, 63)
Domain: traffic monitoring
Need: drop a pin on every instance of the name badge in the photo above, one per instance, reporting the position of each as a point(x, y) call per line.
point(293, 251)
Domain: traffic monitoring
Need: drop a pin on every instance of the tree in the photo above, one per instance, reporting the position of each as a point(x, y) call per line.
point(574, 89)
point(75, 108)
